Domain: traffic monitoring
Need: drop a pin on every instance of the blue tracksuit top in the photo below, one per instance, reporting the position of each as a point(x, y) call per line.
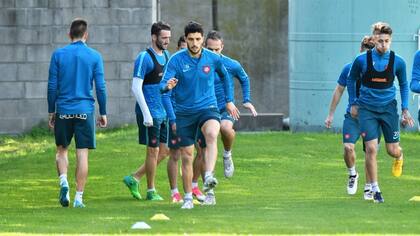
point(377, 97)
point(73, 69)
point(415, 75)
point(195, 88)
point(342, 80)
point(142, 66)
point(234, 68)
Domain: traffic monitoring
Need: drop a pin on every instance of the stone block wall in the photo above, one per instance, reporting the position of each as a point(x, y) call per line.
point(30, 30)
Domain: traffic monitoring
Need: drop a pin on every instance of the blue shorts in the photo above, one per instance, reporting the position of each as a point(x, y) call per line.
point(81, 126)
point(152, 136)
point(173, 139)
point(383, 118)
point(226, 116)
point(351, 129)
point(418, 117)
point(189, 124)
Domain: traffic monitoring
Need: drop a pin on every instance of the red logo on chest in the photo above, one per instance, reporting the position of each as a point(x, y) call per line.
point(206, 69)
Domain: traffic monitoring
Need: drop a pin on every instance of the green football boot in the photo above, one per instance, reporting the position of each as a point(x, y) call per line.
point(132, 185)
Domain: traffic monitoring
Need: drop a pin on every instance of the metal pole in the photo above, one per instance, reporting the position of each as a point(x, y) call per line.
point(158, 14)
point(214, 15)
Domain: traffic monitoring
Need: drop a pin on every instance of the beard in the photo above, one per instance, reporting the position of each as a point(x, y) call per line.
point(194, 50)
point(161, 45)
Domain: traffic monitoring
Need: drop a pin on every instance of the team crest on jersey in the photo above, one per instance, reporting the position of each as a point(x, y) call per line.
point(206, 69)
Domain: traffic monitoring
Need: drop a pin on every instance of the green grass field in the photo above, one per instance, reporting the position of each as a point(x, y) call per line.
point(284, 183)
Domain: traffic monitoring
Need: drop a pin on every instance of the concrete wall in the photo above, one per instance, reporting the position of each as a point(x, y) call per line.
point(31, 29)
point(257, 40)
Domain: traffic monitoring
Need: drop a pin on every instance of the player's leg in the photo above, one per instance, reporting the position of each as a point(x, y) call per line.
point(228, 136)
point(84, 137)
point(369, 123)
point(152, 156)
point(63, 132)
point(351, 133)
point(391, 130)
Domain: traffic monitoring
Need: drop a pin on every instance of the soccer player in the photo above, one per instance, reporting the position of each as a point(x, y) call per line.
point(415, 77)
point(351, 130)
point(73, 70)
point(214, 42)
point(191, 74)
point(150, 113)
point(181, 43)
point(174, 152)
point(376, 106)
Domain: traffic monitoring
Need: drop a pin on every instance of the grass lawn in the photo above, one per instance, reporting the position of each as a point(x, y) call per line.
point(284, 183)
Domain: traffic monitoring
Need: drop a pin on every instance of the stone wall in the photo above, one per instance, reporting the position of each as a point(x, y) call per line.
point(30, 30)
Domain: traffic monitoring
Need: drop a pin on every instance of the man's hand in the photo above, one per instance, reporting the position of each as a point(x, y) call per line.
point(354, 111)
point(232, 110)
point(51, 120)
point(251, 108)
point(328, 121)
point(171, 83)
point(148, 121)
point(406, 118)
point(102, 121)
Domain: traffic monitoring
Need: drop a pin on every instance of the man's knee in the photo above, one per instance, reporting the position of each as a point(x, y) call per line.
point(153, 151)
point(348, 149)
point(61, 152)
point(186, 151)
point(187, 159)
point(394, 150)
point(211, 131)
point(371, 148)
point(174, 155)
point(226, 126)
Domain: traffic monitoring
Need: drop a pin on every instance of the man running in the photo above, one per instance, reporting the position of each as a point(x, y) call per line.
point(351, 130)
point(376, 106)
point(214, 42)
point(191, 73)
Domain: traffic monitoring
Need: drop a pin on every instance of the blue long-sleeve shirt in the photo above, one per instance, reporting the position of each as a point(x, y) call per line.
point(377, 97)
point(73, 69)
point(235, 69)
point(415, 75)
point(342, 80)
point(142, 66)
point(195, 88)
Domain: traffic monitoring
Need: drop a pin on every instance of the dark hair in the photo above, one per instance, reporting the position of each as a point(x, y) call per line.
point(181, 40)
point(78, 28)
point(385, 29)
point(159, 26)
point(215, 35)
point(367, 43)
point(193, 27)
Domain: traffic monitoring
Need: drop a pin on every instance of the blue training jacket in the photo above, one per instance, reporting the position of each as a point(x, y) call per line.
point(73, 69)
point(342, 80)
point(142, 66)
point(377, 97)
point(235, 69)
point(195, 88)
point(415, 75)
